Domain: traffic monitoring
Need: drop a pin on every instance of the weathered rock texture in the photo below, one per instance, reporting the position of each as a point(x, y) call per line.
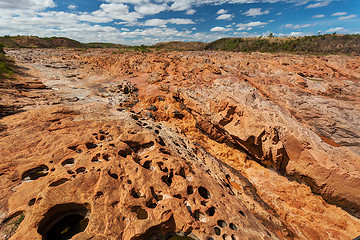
point(203, 144)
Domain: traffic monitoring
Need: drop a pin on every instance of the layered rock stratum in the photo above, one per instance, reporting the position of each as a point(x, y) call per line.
point(102, 144)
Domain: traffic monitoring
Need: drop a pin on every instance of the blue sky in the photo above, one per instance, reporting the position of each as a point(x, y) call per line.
point(147, 22)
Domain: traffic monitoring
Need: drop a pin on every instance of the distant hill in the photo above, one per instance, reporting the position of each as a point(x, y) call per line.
point(52, 42)
point(37, 42)
point(321, 44)
point(181, 46)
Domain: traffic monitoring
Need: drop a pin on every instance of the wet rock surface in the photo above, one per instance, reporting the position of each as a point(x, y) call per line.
point(180, 145)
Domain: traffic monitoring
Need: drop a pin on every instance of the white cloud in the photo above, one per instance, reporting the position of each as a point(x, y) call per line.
point(117, 11)
point(296, 34)
point(138, 2)
point(302, 3)
point(221, 11)
point(181, 5)
point(27, 4)
point(190, 12)
point(319, 4)
point(339, 14)
point(270, 21)
point(225, 17)
point(337, 29)
point(220, 29)
point(94, 19)
point(255, 12)
point(318, 16)
point(162, 22)
point(72, 7)
point(347, 17)
point(125, 29)
point(298, 26)
point(150, 9)
point(155, 22)
point(250, 25)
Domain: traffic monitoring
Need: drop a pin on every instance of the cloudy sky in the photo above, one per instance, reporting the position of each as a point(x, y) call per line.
point(135, 22)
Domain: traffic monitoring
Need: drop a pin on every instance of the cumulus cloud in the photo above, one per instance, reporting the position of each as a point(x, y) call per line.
point(347, 17)
point(319, 4)
point(221, 11)
point(220, 29)
point(93, 19)
point(190, 12)
point(296, 34)
point(27, 4)
point(181, 5)
point(252, 12)
point(339, 14)
point(318, 16)
point(225, 17)
point(117, 11)
point(298, 26)
point(250, 25)
point(162, 22)
point(302, 2)
point(336, 29)
point(150, 9)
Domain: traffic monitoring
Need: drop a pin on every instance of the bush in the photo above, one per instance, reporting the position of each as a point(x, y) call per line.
point(2, 48)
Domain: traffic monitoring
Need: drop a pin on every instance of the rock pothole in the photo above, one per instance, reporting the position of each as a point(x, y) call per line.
point(35, 173)
point(204, 193)
point(64, 221)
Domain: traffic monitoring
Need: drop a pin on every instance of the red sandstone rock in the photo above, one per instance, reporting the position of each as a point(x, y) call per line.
point(131, 177)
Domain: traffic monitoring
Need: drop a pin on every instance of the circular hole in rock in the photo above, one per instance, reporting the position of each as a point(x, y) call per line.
point(233, 226)
point(80, 170)
point(64, 221)
point(211, 211)
point(151, 204)
point(98, 195)
point(135, 193)
point(233, 237)
point(35, 173)
point(204, 193)
point(90, 145)
point(222, 223)
point(140, 212)
point(177, 196)
point(106, 157)
point(58, 182)
point(31, 202)
point(242, 213)
point(113, 175)
point(147, 165)
point(68, 161)
point(217, 231)
point(226, 237)
point(190, 190)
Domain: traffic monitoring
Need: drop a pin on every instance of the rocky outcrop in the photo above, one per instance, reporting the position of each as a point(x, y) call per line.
point(77, 173)
point(236, 114)
point(162, 144)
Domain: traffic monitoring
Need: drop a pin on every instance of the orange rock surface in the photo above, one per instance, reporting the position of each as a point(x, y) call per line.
point(208, 145)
